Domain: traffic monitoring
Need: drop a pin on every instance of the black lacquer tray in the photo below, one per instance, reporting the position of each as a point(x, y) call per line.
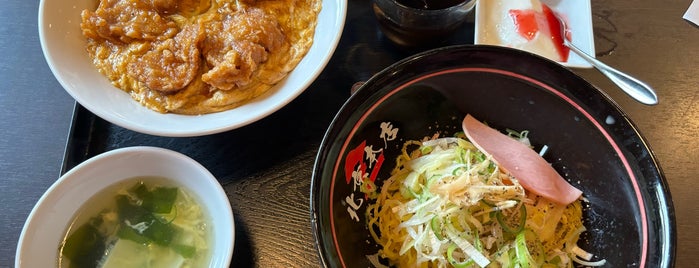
point(266, 167)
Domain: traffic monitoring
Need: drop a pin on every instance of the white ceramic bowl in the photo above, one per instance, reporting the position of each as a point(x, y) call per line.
point(576, 13)
point(64, 48)
point(45, 227)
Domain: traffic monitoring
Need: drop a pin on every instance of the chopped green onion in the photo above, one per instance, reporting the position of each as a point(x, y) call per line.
point(453, 261)
point(436, 226)
point(522, 221)
point(468, 249)
point(522, 251)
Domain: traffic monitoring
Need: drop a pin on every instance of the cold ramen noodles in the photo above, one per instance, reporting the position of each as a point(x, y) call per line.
point(457, 202)
point(143, 222)
point(198, 56)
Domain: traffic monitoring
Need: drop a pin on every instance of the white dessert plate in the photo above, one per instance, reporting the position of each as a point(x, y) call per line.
point(576, 13)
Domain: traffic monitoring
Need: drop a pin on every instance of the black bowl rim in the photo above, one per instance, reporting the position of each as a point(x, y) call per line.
point(663, 204)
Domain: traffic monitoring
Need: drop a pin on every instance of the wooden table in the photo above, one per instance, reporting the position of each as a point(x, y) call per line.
point(270, 193)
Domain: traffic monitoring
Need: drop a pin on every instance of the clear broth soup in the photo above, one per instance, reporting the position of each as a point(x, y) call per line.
point(141, 222)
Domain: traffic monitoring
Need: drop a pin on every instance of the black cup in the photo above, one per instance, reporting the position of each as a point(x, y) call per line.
point(421, 23)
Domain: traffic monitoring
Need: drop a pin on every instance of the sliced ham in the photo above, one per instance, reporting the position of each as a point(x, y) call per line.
point(528, 167)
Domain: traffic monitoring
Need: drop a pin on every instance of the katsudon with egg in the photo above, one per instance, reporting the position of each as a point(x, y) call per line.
point(198, 56)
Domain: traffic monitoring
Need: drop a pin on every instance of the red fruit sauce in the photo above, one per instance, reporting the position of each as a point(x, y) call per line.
point(529, 21)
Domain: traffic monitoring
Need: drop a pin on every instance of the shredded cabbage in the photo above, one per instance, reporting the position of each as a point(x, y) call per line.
point(447, 204)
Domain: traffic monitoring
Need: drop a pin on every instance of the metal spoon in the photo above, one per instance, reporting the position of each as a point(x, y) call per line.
point(632, 86)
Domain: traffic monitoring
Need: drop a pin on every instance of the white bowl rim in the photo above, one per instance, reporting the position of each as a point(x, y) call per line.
point(223, 253)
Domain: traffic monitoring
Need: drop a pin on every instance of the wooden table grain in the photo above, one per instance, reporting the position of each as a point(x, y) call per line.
point(265, 167)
